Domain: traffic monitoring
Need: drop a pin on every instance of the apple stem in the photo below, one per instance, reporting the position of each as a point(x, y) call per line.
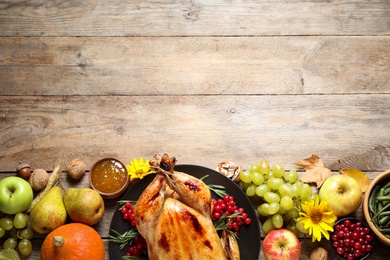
point(58, 240)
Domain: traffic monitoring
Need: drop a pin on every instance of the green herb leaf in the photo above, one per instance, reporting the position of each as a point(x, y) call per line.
point(217, 189)
point(124, 239)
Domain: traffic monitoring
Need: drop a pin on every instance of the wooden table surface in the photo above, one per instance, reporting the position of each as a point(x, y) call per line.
point(205, 81)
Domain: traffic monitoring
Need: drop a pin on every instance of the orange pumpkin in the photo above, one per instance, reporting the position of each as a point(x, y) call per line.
point(73, 241)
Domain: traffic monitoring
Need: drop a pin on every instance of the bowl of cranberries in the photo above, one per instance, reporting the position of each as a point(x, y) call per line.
point(352, 239)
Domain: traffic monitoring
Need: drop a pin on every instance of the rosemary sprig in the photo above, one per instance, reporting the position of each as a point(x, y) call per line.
point(124, 239)
point(216, 188)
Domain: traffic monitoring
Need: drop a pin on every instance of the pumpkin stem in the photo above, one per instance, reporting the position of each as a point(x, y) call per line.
point(58, 240)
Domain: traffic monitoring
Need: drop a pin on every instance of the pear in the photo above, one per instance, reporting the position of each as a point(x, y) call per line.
point(49, 213)
point(84, 205)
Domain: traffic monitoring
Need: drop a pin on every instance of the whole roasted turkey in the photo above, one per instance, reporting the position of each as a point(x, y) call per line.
point(173, 214)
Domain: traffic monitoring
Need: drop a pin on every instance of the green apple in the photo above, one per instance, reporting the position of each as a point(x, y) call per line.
point(16, 195)
point(343, 194)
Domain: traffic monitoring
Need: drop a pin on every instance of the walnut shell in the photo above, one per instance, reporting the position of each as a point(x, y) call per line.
point(39, 179)
point(76, 169)
point(319, 253)
point(230, 170)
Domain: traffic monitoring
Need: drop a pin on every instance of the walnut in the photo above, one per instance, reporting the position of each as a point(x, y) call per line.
point(76, 168)
point(319, 253)
point(230, 170)
point(39, 179)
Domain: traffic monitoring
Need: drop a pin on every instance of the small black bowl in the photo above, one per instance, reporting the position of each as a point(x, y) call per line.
point(357, 237)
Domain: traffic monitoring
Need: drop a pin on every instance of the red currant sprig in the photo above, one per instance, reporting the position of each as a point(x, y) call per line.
point(226, 207)
point(128, 213)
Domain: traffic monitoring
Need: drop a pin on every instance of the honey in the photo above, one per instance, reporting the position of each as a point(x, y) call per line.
point(109, 175)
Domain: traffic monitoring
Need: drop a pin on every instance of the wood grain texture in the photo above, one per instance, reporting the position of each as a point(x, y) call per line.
point(204, 80)
point(194, 65)
point(193, 18)
point(343, 130)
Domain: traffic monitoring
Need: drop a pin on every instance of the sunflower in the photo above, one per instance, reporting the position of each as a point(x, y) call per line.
point(317, 217)
point(138, 169)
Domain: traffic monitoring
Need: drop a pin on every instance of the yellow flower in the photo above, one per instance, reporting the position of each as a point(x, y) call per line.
point(317, 217)
point(138, 169)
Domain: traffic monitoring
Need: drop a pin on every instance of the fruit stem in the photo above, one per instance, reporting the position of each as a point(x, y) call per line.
point(58, 240)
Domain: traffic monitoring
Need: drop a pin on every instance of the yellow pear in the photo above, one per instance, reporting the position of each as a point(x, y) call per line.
point(84, 205)
point(49, 213)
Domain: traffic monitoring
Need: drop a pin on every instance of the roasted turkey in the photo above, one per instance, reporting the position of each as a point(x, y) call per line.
point(173, 214)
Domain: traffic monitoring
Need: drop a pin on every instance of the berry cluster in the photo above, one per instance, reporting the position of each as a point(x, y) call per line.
point(128, 213)
point(228, 206)
point(352, 240)
point(138, 247)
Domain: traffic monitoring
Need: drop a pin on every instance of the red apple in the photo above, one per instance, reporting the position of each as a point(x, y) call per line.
point(281, 244)
point(343, 194)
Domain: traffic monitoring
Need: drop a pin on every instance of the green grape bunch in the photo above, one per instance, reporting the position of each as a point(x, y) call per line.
point(14, 229)
point(281, 194)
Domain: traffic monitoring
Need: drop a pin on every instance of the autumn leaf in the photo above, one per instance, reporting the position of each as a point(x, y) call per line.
point(315, 171)
point(359, 176)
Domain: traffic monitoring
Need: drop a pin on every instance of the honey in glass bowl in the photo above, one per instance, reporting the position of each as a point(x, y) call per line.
point(109, 177)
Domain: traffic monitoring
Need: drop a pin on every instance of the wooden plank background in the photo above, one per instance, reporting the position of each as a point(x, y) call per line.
point(205, 80)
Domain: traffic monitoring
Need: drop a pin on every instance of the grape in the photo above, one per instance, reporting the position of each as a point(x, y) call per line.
point(254, 168)
point(293, 229)
point(291, 176)
point(251, 190)
point(25, 247)
point(301, 227)
point(2, 232)
point(245, 177)
point(277, 221)
point(274, 183)
point(10, 243)
point(262, 189)
point(286, 189)
point(271, 197)
point(244, 185)
point(264, 167)
point(278, 170)
point(293, 213)
point(257, 178)
point(26, 233)
point(286, 203)
point(305, 191)
point(296, 187)
point(14, 232)
point(268, 226)
point(6, 223)
point(273, 208)
point(264, 209)
point(281, 211)
point(20, 220)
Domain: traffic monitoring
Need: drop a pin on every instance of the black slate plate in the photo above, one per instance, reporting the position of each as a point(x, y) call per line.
point(249, 237)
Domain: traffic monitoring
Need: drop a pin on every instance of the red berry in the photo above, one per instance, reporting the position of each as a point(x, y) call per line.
point(128, 205)
point(247, 221)
point(340, 251)
point(217, 215)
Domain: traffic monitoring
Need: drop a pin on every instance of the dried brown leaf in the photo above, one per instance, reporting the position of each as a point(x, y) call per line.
point(315, 171)
point(359, 176)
